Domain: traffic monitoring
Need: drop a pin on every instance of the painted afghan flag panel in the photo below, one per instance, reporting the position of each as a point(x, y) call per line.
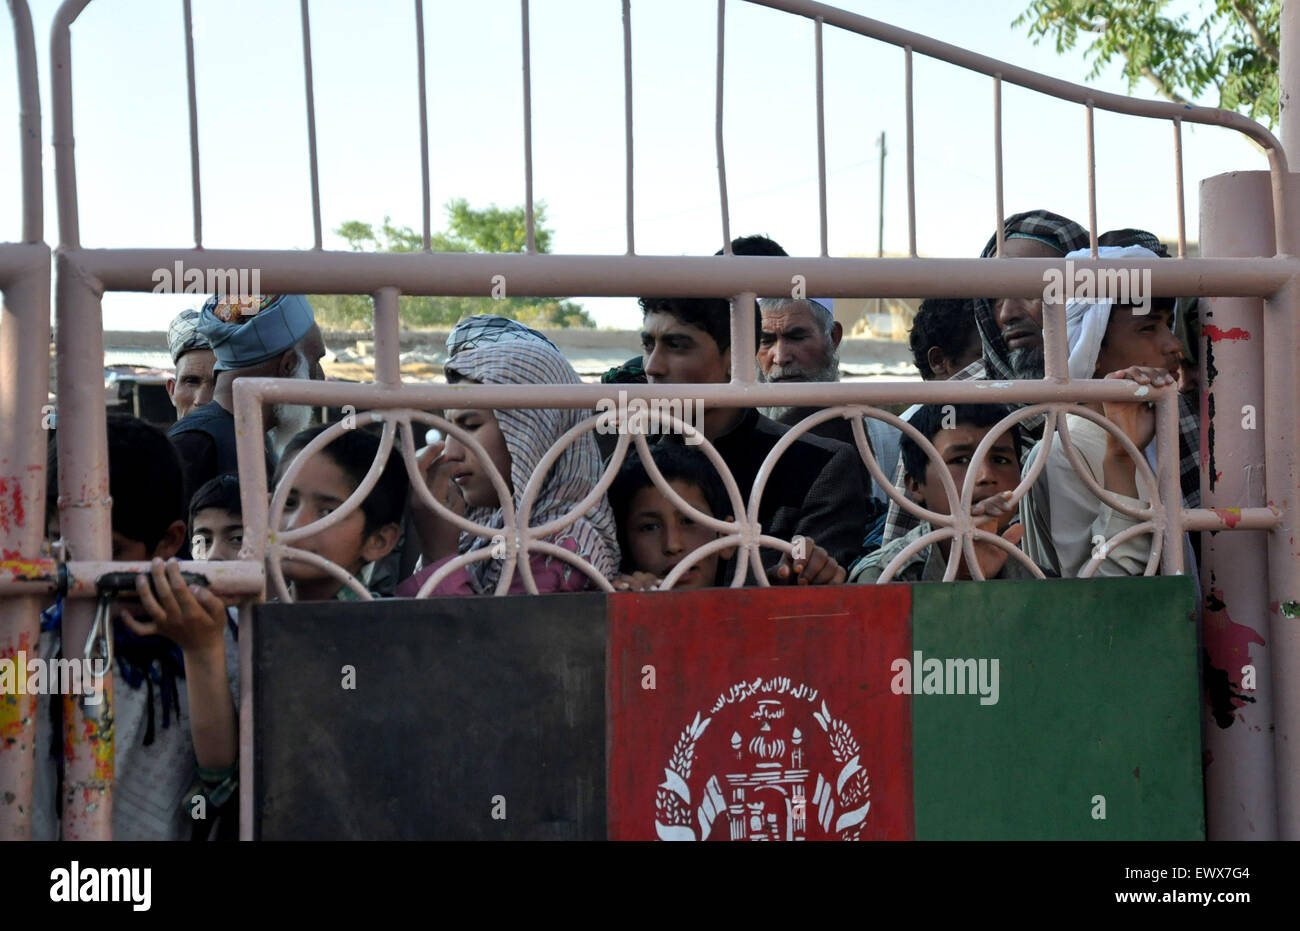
point(1096, 711)
point(443, 718)
point(759, 714)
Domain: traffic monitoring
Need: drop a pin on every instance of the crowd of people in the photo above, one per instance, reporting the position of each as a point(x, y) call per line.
point(177, 494)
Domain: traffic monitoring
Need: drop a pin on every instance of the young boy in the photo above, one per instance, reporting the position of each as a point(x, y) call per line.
point(216, 519)
point(1065, 522)
point(323, 483)
point(944, 338)
point(955, 430)
point(654, 536)
point(155, 646)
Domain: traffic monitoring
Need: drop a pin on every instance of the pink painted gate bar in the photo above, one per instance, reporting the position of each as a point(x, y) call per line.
point(1254, 780)
point(24, 377)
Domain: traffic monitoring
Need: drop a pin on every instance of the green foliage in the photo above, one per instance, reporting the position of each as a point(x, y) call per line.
point(1232, 50)
point(491, 229)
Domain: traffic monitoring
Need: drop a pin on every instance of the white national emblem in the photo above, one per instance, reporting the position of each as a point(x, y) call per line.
point(765, 795)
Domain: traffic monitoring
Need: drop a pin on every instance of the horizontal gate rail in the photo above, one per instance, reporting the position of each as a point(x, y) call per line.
point(471, 275)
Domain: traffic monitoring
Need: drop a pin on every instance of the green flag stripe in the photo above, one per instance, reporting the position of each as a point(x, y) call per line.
point(1095, 733)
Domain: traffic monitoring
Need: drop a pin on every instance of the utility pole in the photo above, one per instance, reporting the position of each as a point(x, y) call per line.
point(880, 230)
point(880, 233)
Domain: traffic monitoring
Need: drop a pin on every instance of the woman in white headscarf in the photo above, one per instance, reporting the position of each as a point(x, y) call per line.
point(515, 441)
point(1064, 521)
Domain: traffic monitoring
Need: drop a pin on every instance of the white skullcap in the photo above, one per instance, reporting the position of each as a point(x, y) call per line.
point(1085, 321)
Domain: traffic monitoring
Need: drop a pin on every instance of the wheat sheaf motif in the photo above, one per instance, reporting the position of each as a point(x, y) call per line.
point(840, 806)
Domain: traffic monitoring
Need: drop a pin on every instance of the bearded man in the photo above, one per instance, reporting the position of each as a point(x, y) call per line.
point(799, 341)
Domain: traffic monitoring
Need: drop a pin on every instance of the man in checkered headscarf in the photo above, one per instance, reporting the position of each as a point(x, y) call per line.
point(1011, 329)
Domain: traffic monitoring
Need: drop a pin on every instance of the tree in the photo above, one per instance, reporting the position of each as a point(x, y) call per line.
point(491, 229)
point(1234, 49)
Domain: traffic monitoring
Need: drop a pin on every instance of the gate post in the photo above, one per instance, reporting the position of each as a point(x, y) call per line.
point(85, 523)
point(1282, 396)
point(24, 387)
point(1240, 796)
point(1282, 387)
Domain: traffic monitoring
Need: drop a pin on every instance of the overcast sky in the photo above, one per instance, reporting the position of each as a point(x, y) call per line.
point(133, 150)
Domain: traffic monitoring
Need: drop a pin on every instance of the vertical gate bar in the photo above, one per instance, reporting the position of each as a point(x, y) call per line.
point(249, 440)
point(1178, 184)
point(528, 133)
point(311, 126)
point(1240, 782)
point(85, 523)
point(743, 339)
point(62, 140)
point(1092, 184)
point(1283, 491)
point(250, 433)
point(1281, 338)
point(388, 369)
point(911, 156)
point(24, 380)
point(194, 127)
point(717, 131)
point(1169, 480)
point(627, 118)
point(997, 162)
point(1284, 560)
point(29, 125)
point(821, 137)
point(424, 126)
point(1056, 366)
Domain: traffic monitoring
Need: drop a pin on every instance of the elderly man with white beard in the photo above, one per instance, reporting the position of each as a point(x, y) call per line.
point(799, 342)
point(273, 336)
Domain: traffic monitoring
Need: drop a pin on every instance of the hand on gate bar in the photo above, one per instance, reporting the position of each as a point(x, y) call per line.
point(814, 566)
point(1138, 421)
point(1136, 418)
point(637, 582)
point(999, 514)
point(191, 616)
point(195, 619)
point(439, 538)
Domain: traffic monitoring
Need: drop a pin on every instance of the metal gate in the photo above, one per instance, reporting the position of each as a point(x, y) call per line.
point(1254, 779)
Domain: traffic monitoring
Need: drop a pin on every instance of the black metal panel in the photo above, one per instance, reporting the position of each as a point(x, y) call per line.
point(464, 710)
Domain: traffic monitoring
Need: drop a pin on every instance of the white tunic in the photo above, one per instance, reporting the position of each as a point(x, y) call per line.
point(1064, 520)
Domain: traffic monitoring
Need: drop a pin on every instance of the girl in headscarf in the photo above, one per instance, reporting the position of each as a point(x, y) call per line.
point(1064, 520)
point(515, 441)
